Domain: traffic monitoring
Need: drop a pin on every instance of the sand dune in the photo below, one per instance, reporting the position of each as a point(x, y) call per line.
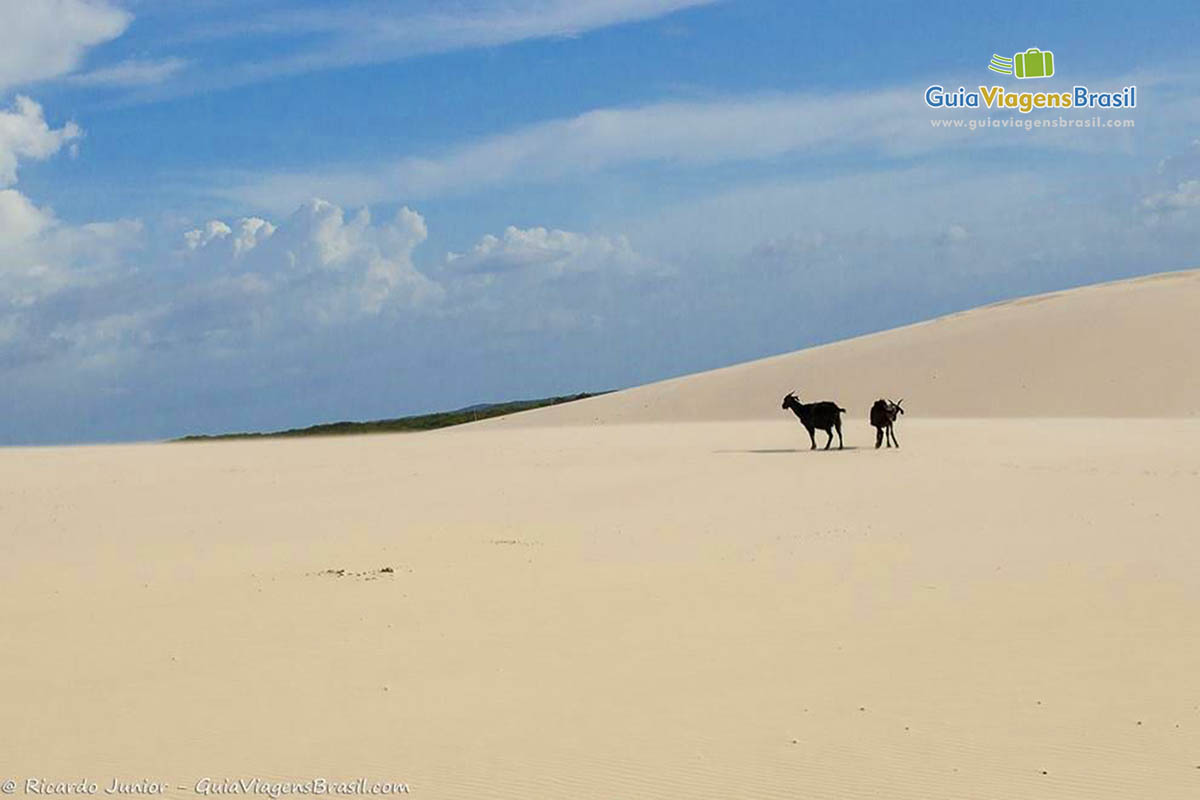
point(1006, 608)
point(1112, 350)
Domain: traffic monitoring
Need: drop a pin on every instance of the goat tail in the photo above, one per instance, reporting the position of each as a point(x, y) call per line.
point(841, 410)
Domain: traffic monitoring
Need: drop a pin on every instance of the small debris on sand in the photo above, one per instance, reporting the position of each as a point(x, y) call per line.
point(368, 575)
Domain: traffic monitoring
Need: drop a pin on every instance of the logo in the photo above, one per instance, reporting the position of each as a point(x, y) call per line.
point(1033, 63)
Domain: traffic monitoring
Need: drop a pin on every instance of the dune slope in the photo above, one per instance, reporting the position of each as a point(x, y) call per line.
point(1125, 349)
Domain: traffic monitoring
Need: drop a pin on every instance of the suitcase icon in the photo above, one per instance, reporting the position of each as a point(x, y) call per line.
point(1034, 63)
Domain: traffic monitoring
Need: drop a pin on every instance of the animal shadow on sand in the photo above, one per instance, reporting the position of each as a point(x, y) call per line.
point(777, 451)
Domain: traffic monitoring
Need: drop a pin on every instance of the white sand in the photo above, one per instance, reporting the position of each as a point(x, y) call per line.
point(1006, 608)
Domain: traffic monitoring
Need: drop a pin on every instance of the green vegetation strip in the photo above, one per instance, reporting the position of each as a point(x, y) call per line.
point(422, 422)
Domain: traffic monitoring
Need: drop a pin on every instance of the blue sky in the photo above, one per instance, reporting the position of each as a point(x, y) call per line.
point(220, 215)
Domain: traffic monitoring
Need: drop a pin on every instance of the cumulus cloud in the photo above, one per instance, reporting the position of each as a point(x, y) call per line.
point(39, 251)
point(47, 38)
point(213, 230)
point(20, 219)
point(250, 231)
point(24, 133)
point(89, 291)
point(322, 266)
point(103, 294)
point(52, 280)
point(316, 263)
point(47, 256)
point(548, 254)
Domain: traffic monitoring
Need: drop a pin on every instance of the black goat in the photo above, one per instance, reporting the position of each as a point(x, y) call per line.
point(824, 415)
point(883, 417)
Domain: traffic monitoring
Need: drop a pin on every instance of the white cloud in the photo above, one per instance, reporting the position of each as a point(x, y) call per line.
point(316, 266)
point(492, 22)
point(46, 39)
point(366, 32)
point(251, 230)
point(38, 253)
point(86, 291)
point(213, 230)
point(1185, 195)
point(96, 294)
point(132, 72)
point(47, 256)
point(954, 234)
point(790, 245)
point(890, 122)
point(1175, 188)
point(25, 134)
point(1186, 163)
point(20, 219)
point(682, 133)
point(42, 39)
point(548, 254)
point(537, 280)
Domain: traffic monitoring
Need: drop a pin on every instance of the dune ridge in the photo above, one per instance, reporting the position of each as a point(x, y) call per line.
point(1123, 349)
